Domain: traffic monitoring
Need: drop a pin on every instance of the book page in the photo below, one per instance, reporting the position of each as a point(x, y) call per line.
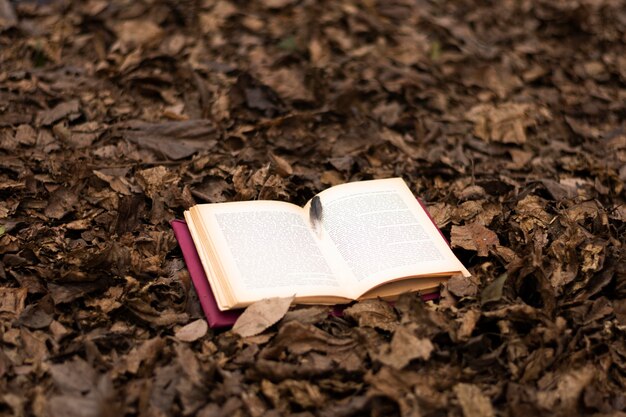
point(266, 249)
point(382, 233)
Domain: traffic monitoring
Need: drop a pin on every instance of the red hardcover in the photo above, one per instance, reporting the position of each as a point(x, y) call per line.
point(215, 317)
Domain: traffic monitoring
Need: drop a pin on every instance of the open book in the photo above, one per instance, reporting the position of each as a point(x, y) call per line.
point(372, 239)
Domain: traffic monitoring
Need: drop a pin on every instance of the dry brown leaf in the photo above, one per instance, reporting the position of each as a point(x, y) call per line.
point(169, 140)
point(493, 291)
point(58, 112)
point(441, 213)
point(138, 32)
point(506, 122)
point(462, 286)
point(144, 354)
point(35, 317)
point(303, 393)
point(400, 142)
point(118, 183)
point(332, 177)
point(26, 135)
point(73, 376)
point(12, 300)
point(593, 256)
point(405, 347)
point(473, 402)
point(531, 213)
point(566, 389)
point(467, 324)
point(299, 338)
point(307, 315)
point(61, 202)
point(67, 292)
point(192, 331)
point(277, 4)
point(153, 180)
point(287, 82)
point(388, 113)
point(373, 313)
point(261, 315)
point(619, 306)
point(8, 18)
point(283, 167)
point(474, 237)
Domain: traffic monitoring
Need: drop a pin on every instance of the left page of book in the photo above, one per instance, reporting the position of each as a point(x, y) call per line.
point(260, 249)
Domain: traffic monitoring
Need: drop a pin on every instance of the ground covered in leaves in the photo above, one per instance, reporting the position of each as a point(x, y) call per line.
point(505, 117)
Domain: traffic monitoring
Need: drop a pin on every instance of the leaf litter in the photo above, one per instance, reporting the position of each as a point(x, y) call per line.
point(505, 118)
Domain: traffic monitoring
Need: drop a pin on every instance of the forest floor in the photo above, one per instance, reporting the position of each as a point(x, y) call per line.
point(506, 117)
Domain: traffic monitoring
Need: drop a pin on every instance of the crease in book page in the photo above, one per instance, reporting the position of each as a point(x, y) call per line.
point(259, 316)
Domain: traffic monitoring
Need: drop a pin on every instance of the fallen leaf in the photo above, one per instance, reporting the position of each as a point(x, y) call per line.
point(146, 312)
point(493, 291)
point(593, 256)
point(144, 354)
point(304, 393)
point(287, 82)
point(467, 324)
point(170, 140)
point(34, 317)
point(153, 180)
point(58, 112)
point(61, 202)
point(568, 386)
point(163, 391)
point(101, 400)
point(75, 406)
point(405, 347)
point(283, 167)
point(73, 376)
point(464, 36)
point(138, 32)
point(8, 18)
point(474, 237)
point(530, 213)
point(299, 338)
point(462, 286)
point(12, 300)
point(66, 292)
point(307, 315)
point(26, 135)
point(276, 4)
point(505, 122)
point(373, 313)
point(261, 315)
point(213, 190)
point(117, 182)
point(192, 331)
point(473, 402)
point(619, 306)
point(254, 94)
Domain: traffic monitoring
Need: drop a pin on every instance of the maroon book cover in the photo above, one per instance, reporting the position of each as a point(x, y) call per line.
point(215, 317)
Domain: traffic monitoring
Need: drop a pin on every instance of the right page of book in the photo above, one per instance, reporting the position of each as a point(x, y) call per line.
point(382, 233)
